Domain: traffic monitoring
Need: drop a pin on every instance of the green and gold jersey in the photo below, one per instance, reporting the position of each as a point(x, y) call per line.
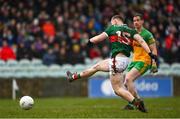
point(139, 54)
point(121, 37)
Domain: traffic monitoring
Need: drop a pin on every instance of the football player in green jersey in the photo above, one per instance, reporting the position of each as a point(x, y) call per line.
point(120, 37)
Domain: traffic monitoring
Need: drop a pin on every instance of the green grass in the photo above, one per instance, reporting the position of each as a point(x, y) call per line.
point(89, 108)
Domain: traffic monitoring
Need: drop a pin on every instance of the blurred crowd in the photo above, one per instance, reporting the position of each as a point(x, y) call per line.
point(57, 31)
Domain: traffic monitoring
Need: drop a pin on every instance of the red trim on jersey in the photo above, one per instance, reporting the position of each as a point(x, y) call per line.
point(115, 38)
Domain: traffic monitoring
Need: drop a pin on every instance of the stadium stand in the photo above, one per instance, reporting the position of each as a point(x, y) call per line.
point(34, 28)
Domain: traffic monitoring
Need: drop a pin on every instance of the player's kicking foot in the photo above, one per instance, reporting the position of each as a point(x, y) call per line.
point(129, 107)
point(69, 76)
point(140, 105)
point(72, 76)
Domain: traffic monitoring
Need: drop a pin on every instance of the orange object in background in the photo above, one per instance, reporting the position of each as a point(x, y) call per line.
point(48, 28)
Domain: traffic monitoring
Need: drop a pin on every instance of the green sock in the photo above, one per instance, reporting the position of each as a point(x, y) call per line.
point(76, 76)
point(132, 101)
point(79, 76)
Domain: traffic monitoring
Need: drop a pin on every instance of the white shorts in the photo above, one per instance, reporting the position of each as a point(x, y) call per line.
point(121, 64)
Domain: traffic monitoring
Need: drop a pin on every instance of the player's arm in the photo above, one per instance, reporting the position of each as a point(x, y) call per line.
point(141, 41)
point(102, 36)
point(99, 38)
point(153, 48)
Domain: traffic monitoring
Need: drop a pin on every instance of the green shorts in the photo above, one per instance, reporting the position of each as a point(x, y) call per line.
point(142, 67)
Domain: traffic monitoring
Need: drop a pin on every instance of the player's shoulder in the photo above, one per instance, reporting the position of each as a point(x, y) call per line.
point(147, 32)
point(123, 26)
point(111, 27)
point(147, 35)
point(116, 27)
point(127, 28)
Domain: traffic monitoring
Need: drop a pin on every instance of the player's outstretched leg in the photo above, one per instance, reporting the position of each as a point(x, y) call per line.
point(100, 66)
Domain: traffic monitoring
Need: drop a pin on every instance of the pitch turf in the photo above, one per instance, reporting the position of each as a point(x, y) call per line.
point(89, 108)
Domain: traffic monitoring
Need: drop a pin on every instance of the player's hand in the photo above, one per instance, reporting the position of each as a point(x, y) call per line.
point(154, 68)
point(89, 44)
point(153, 57)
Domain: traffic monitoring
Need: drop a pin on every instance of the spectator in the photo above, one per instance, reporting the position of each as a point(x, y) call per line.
point(169, 40)
point(62, 57)
point(170, 48)
point(49, 57)
point(52, 22)
point(22, 52)
point(7, 52)
point(76, 56)
point(49, 29)
point(94, 52)
point(105, 51)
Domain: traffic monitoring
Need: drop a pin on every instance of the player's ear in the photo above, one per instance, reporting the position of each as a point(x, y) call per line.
point(112, 22)
point(115, 21)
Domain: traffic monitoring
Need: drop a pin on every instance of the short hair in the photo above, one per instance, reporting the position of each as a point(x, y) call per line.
point(119, 17)
point(139, 15)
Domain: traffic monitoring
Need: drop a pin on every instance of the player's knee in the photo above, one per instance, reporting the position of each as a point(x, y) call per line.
point(128, 80)
point(96, 67)
point(117, 92)
point(126, 86)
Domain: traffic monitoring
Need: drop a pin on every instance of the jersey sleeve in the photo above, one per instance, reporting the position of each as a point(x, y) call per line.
point(109, 30)
point(150, 38)
point(132, 32)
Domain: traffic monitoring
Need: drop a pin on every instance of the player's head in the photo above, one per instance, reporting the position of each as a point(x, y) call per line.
point(117, 20)
point(138, 20)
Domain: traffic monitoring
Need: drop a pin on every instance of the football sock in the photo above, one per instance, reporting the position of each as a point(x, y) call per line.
point(132, 102)
point(131, 105)
point(76, 76)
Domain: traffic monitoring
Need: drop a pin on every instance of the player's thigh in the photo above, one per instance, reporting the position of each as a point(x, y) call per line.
point(145, 68)
point(132, 74)
point(121, 64)
point(137, 69)
point(103, 65)
point(130, 66)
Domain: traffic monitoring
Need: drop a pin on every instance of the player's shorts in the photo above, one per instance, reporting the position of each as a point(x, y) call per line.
point(142, 67)
point(121, 64)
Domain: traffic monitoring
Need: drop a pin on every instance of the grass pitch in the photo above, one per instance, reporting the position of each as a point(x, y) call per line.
point(89, 108)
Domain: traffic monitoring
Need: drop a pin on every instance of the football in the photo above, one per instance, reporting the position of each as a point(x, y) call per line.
point(26, 102)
